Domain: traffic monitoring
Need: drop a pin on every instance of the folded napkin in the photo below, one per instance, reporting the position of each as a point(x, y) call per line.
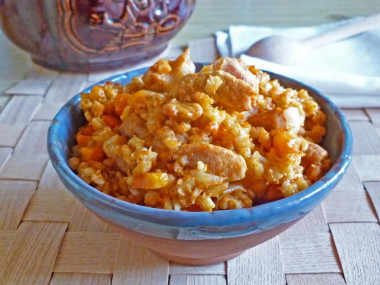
point(348, 71)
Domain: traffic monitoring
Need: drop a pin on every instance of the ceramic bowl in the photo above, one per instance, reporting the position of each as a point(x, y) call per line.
point(82, 35)
point(200, 237)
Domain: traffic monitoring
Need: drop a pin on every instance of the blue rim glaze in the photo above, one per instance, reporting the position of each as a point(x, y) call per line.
point(238, 222)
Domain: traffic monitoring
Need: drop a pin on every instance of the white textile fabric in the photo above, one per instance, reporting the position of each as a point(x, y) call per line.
point(348, 71)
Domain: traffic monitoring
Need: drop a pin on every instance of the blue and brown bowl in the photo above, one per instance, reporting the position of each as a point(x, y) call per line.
point(200, 237)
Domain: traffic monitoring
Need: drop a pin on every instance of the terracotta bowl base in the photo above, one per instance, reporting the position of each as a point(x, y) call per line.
point(197, 252)
point(198, 261)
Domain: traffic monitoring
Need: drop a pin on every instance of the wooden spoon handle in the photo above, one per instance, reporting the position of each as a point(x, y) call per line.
point(343, 32)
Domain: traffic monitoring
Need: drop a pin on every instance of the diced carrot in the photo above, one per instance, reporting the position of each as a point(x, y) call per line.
point(121, 100)
point(285, 142)
point(151, 180)
point(170, 166)
point(86, 130)
point(194, 208)
point(109, 107)
point(83, 140)
point(93, 153)
point(111, 121)
point(137, 98)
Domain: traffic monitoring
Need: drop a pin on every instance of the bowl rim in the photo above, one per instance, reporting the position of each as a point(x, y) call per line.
point(186, 219)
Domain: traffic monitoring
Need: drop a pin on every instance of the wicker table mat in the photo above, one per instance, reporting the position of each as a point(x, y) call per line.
point(47, 237)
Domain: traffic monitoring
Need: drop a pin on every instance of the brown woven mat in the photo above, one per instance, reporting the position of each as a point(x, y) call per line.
point(47, 237)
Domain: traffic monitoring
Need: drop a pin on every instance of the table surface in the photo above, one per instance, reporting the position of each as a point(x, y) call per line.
point(46, 237)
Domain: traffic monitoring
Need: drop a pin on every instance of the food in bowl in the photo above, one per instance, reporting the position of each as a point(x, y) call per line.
point(226, 137)
point(184, 236)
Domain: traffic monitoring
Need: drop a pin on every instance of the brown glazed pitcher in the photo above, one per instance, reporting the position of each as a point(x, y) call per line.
point(89, 35)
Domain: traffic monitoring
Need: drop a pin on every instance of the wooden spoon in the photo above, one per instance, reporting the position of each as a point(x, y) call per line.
point(286, 50)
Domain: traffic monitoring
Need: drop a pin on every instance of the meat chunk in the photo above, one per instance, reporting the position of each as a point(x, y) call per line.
point(134, 126)
point(314, 153)
point(234, 84)
point(238, 69)
point(164, 74)
point(219, 161)
point(184, 111)
point(191, 84)
point(234, 93)
point(289, 119)
point(293, 119)
point(269, 120)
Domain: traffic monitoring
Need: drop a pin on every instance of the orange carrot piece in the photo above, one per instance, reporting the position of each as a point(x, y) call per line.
point(170, 166)
point(86, 130)
point(121, 100)
point(137, 98)
point(273, 193)
point(83, 140)
point(93, 153)
point(151, 180)
point(111, 121)
point(109, 107)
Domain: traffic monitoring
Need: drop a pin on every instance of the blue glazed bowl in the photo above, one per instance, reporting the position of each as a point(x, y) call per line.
point(199, 237)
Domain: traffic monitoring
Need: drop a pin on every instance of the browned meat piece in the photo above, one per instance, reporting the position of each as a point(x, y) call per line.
point(270, 120)
point(190, 84)
point(219, 161)
point(184, 111)
point(234, 93)
point(314, 172)
point(133, 126)
point(164, 74)
point(238, 69)
point(314, 153)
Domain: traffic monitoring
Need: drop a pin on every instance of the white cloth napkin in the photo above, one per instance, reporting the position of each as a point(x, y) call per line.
point(347, 71)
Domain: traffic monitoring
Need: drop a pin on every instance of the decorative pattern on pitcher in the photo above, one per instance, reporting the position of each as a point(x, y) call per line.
point(117, 24)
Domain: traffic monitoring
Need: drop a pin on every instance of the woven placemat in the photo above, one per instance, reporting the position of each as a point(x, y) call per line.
point(47, 237)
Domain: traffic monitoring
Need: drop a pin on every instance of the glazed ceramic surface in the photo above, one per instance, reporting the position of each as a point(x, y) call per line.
point(88, 35)
point(187, 236)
